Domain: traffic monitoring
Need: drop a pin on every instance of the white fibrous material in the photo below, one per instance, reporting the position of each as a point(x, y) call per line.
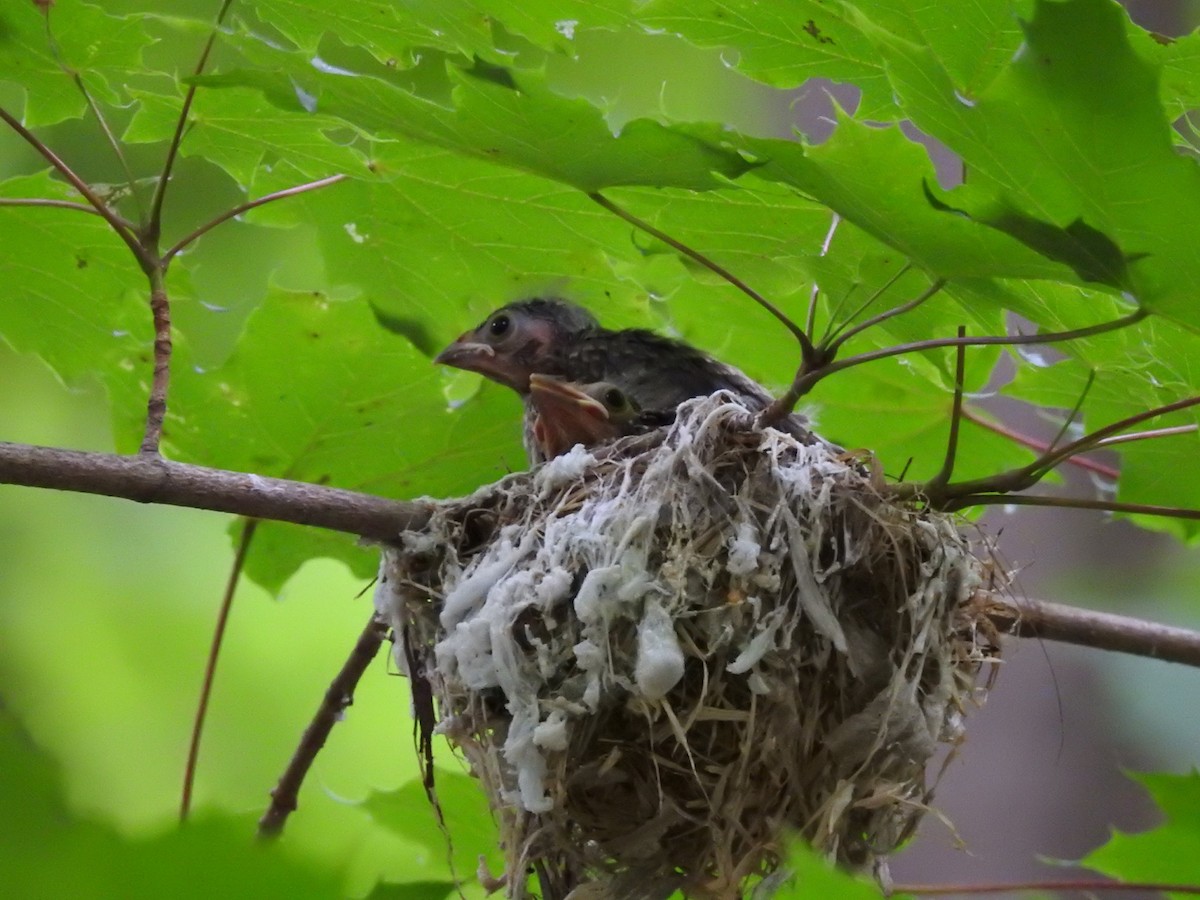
point(660, 656)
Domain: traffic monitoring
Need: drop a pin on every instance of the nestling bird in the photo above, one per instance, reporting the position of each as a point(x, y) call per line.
point(566, 414)
point(553, 337)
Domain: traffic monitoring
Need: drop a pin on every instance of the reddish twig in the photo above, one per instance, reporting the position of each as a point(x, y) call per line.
point(338, 697)
point(1042, 446)
point(244, 207)
point(210, 667)
point(948, 496)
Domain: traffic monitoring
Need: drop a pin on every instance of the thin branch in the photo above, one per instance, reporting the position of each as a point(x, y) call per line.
point(1025, 477)
point(156, 404)
point(154, 224)
point(833, 341)
point(820, 363)
point(806, 345)
point(1088, 441)
point(1042, 446)
point(1145, 509)
point(960, 368)
point(113, 143)
point(57, 204)
point(151, 479)
point(338, 697)
point(807, 381)
point(210, 667)
point(117, 223)
point(1080, 886)
point(250, 204)
point(1173, 431)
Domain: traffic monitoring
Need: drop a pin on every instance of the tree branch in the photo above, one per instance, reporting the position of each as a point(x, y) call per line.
point(337, 698)
point(1030, 618)
point(156, 403)
point(151, 479)
point(1144, 509)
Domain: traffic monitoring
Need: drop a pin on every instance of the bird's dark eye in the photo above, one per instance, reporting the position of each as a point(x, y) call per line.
point(614, 399)
point(499, 326)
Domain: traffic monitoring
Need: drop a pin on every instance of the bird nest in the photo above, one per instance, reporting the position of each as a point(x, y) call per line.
point(662, 658)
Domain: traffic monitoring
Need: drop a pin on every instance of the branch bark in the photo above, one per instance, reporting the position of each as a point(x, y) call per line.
point(151, 479)
point(337, 698)
point(1030, 618)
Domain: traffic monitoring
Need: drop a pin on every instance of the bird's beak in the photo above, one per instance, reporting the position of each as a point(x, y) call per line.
point(476, 356)
point(464, 353)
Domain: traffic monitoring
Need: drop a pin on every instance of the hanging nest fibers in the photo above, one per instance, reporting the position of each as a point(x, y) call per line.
point(662, 658)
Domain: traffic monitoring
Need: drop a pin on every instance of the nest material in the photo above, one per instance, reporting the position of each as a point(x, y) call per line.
point(661, 660)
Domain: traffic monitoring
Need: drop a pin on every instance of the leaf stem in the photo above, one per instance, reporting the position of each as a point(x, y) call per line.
point(806, 346)
point(210, 666)
point(251, 204)
point(47, 202)
point(111, 138)
point(887, 313)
